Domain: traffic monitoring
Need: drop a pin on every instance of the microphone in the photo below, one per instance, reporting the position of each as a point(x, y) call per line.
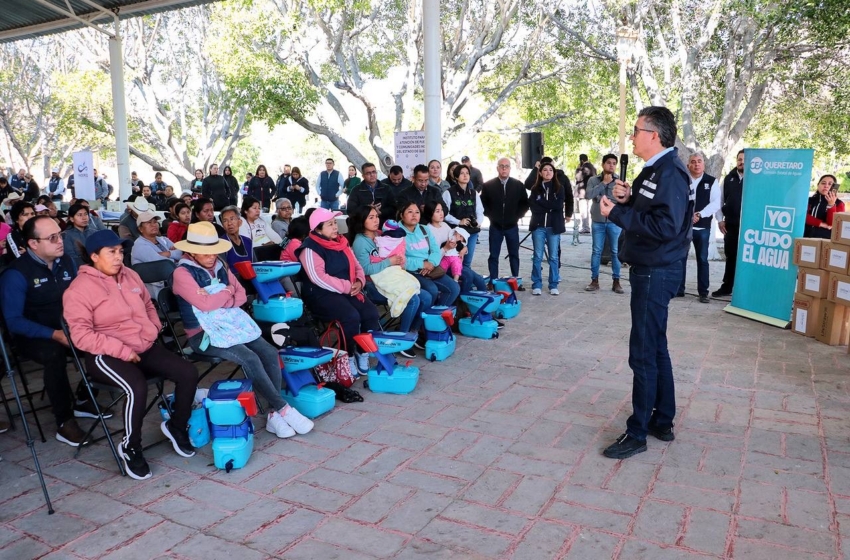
point(624, 164)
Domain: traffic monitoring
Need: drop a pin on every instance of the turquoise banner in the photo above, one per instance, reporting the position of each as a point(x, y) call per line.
point(773, 213)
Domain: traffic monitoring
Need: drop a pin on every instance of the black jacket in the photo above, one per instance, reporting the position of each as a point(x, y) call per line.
point(504, 206)
point(262, 190)
point(412, 194)
point(362, 195)
point(733, 193)
point(297, 197)
point(569, 203)
point(388, 207)
point(215, 188)
point(547, 208)
point(657, 219)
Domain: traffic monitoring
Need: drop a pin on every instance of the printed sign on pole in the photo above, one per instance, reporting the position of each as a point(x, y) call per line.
point(84, 175)
point(773, 213)
point(409, 150)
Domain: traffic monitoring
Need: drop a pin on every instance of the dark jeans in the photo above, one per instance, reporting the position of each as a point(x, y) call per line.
point(443, 291)
point(653, 394)
point(132, 378)
point(730, 247)
point(354, 315)
point(470, 279)
point(701, 239)
point(511, 237)
point(411, 317)
point(53, 357)
point(470, 249)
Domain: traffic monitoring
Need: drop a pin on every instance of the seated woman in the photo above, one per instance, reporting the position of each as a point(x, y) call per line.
point(422, 255)
point(241, 249)
point(150, 247)
point(52, 210)
point(822, 207)
point(334, 285)
point(434, 215)
point(254, 227)
point(15, 245)
point(200, 268)
point(111, 319)
point(364, 228)
point(203, 211)
point(299, 229)
point(78, 232)
point(95, 223)
point(283, 218)
point(182, 218)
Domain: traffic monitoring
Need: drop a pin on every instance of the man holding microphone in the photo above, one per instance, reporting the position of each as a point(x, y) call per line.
point(656, 215)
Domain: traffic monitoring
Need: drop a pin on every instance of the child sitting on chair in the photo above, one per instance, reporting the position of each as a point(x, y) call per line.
point(452, 262)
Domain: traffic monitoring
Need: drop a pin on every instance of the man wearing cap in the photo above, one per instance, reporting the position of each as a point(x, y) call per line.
point(475, 176)
point(31, 293)
point(150, 246)
point(56, 186)
point(127, 227)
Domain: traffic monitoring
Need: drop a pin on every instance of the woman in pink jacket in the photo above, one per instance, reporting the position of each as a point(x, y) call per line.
point(111, 319)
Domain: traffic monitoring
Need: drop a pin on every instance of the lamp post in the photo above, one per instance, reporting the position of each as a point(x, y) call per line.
point(626, 39)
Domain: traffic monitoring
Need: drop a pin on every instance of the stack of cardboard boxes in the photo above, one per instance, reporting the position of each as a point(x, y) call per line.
point(822, 300)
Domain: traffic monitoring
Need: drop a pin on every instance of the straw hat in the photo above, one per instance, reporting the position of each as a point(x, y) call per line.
point(202, 239)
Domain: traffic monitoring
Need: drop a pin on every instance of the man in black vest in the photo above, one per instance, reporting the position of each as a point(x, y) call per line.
point(465, 210)
point(329, 185)
point(369, 192)
point(56, 186)
point(705, 192)
point(505, 202)
point(421, 192)
point(730, 223)
point(41, 276)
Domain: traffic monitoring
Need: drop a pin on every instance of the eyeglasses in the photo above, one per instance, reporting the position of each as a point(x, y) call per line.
point(53, 238)
point(636, 130)
point(504, 166)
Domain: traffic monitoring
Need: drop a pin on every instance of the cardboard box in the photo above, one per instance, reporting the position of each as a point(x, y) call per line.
point(841, 228)
point(838, 289)
point(835, 257)
point(805, 314)
point(807, 252)
point(813, 282)
point(831, 327)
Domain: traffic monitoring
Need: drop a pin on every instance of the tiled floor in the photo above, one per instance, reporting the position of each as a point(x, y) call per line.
point(496, 454)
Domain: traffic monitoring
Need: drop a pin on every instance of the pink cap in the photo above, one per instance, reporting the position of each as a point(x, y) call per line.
point(320, 216)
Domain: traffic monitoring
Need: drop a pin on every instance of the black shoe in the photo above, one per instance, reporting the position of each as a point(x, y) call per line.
point(520, 288)
point(680, 294)
point(624, 447)
point(704, 299)
point(134, 462)
point(499, 324)
point(490, 287)
point(420, 342)
point(407, 353)
point(721, 293)
point(664, 434)
point(69, 432)
point(86, 410)
point(179, 439)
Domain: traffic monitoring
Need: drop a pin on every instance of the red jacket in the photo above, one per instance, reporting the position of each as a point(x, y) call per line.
point(109, 317)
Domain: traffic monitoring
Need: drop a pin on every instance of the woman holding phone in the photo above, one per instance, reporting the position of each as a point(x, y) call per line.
point(822, 206)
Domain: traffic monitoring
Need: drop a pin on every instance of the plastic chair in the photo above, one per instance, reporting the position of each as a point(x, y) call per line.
point(155, 271)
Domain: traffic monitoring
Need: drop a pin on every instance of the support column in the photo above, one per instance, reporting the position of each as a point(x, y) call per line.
point(433, 73)
point(122, 143)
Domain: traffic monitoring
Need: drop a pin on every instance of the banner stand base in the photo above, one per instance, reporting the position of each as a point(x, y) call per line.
point(773, 321)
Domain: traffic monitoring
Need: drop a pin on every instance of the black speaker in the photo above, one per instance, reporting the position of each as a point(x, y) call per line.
point(532, 148)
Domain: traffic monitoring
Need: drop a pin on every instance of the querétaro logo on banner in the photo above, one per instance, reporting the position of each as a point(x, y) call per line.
point(758, 165)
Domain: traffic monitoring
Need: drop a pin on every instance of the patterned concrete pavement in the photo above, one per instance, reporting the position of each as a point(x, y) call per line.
point(497, 454)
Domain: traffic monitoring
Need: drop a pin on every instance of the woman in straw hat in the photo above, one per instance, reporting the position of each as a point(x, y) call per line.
point(199, 268)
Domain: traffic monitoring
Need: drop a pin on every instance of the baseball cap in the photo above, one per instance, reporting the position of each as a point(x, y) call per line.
point(320, 216)
point(145, 216)
point(105, 238)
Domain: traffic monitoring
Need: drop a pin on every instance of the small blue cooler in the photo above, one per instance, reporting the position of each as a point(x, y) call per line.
point(242, 430)
point(222, 405)
point(439, 345)
point(228, 389)
point(401, 381)
point(501, 284)
point(232, 453)
point(279, 309)
point(298, 358)
point(311, 401)
point(433, 320)
point(487, 329)
point(390, 342)
point(199, 427)
point(481, 324)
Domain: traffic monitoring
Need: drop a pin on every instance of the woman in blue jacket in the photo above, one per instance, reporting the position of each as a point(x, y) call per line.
point(547, 224)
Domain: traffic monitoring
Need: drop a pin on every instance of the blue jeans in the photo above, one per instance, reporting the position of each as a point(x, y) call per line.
point(701, 240)
point(330, 204)
point(543, 237)
point(443, 291)
point(601, 230)
point(411, 317)
point(653, 394)
point(470, 250)
point(511, 237)
point(259, 361)
point(470, 279)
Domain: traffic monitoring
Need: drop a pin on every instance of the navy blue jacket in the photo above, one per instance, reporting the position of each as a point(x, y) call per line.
point(657, 219)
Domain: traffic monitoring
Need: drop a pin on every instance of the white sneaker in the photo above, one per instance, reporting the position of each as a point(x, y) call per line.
point(554, 291)
point(278, 426)
point(297, 421)
point(536, 292)
point(363, 363)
